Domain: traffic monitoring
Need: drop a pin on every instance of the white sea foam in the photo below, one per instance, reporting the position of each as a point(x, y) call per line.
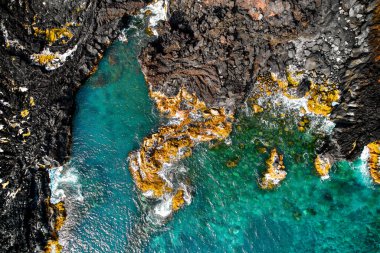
point(283, 104)
point(59, 59)
point(123, 37)
point(62, 178)
point(364, 168)
point(186, 193)
point(159, 11)
point(164, 208)
point(325, 177)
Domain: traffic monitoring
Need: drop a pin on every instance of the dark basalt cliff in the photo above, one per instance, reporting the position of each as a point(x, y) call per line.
point(218, 48)
point(47, 49)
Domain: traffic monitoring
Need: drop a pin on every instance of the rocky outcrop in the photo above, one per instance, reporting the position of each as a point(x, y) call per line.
point(155, 166)
point(275, 172)
point(218, 49)
point(47, 49)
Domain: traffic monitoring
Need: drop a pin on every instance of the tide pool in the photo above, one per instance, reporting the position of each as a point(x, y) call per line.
point(229, 212)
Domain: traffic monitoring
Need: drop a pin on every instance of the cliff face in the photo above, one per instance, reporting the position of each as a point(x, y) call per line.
point(47, 49)
point(220, 49)
point(357, 117)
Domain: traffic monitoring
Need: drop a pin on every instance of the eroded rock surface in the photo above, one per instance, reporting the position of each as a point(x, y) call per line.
point(47, 49)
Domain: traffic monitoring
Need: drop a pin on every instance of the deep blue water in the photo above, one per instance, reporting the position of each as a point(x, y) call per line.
point(229, 212)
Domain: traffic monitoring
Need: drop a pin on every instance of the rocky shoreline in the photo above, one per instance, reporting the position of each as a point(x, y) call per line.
point(216, 49)
point(48, 49)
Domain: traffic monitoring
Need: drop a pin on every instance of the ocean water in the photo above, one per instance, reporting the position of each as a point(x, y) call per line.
point(229, 212)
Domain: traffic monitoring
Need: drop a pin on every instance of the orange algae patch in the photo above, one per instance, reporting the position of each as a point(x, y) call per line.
point(59, 212)
point(374, 161)
point(233, 162)
point(275, 172)
point(194, 122)
point(178, 200)
point(322, 165)
point(53, 246)
point(61, 215)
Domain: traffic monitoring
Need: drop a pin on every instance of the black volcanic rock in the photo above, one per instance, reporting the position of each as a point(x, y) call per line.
point(37, 102)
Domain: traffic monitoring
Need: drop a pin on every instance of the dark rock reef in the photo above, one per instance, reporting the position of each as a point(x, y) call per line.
point(218, 49)
point(47, 49)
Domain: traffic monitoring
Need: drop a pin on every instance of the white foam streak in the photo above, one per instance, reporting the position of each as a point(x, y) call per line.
point(164, 208)
point(363, 167)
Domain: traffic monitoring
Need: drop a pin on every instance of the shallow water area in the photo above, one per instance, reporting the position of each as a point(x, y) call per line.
point(113, 115)
point(229, 212)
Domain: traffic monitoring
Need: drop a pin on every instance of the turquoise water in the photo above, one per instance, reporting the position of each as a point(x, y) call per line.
point(229, 212)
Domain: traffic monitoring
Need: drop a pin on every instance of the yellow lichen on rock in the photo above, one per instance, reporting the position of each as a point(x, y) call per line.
point(61, 215)
point(44, 59)
point(321, 98)
point(54, 34)
point(374, 161)
point(192, 122)
point(149, 31)
point(27, 134)
point(322, 165)
point(24, 113)
point(275, 172)
point(303, 124)
point(257, 108)
point(32, 102)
